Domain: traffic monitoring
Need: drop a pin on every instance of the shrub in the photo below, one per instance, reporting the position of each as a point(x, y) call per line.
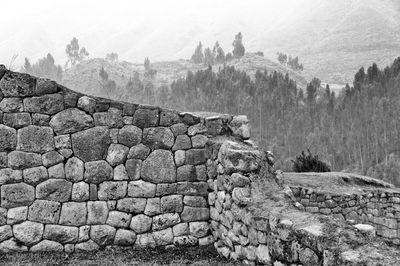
point(309, 163)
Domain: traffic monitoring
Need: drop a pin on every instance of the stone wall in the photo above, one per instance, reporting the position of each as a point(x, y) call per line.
point(378, 207)
point(78, 173)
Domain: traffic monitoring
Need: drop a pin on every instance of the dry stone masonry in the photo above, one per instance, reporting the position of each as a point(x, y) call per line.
point(78, 173)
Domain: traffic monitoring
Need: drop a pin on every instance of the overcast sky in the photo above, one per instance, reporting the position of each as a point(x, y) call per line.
point(161, 29)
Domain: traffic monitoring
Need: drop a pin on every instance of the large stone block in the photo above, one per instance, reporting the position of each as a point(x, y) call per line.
point(146, 117)
point(47, 104)
point(80, 191)
point(120, 173)
point(112, 190)
point(168, 118)
point(133, 167)
point(8, 138)
point(115, 117)
point(91, 144)
point(8, 176)
point(158, 138)
point(17, 215)
point(163, 237)
point(124, 237)
point(52, 158)
point(47, 246)
point(119, 219)
point(102, 234)
point(186, 173)
point(11, 105)
point(29, 233)
point(45, 86)
point(145, 241)
point(88, 246)
point(36, 175)
point(195, 156)
point(141, 189)
point(195, 201)
point(62, 141)
point(240, 126)
point(130, 135)
point(15, 195)
point(199, 141)
point(97, 172)
point(165, 220)
point(172, 203)
point(61, 233)
point(159, 167)
point(17, 120)
point(131, 205)
point(87, 104)
point(153, 207)
point(5, 232)
point(57, 171)
point(141, 223)
point(165, 189)
point(193, 188)
point(97, 212)
point(22, 160)
point(74, 169)
point(179, 129)
point(44, 211)
point(55, 190)
point(73, 213)
point(185, 241)
point(237, 158)
point(192, 214)
point(70, 121)
point(12, 245)
point(117, 154)
point(35, 139)
point(139, 151)
point(180, 229)
point(40, 120)
point(182, 142)
point(17, 85)
point(199, 229)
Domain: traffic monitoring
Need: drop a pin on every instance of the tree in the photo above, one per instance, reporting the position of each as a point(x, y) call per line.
point(148, 70)
point(228, 57)
point(74, 54)
point(198, 56)
point(208, 57)
point(27, 66)
point(112, 57)
point(282, 58)
point(45, 67)
point(238, 47)
point(218, 53)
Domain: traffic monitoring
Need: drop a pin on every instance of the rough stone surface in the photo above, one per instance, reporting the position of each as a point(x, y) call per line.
point(139, 151)
point(199, 229)
point(159, 167)
point(195, 201)
point(132, 205)
point(141, 189)
point(70, 121)
point(61, 233)
point(47, 246)
point(124, 237)
point(165, 220)
point(11, 105)
point(5, 232)
point(120, 173)
point(17, 120)
point(172, 203)
point(186, 173)
point(87, 104)
point(8, 175)
point(36, 175)
point(97, 212)
point(119, 219)
point(17, 85)
point(141, 223)
point(44, 211)
point(199, 141)
point(130, 135)
point(29, 233)
point(40, 120)
point(146, 117)
point(12, 245)
point(57, 171)
point(88, 246)
point(73, 213)
point(180, 158)
point(181, 229)
point(163, 237)
point(62, 142)
point(182, 142)
point(91, 144)
point(97, 172)
point(165, 189)
point(45, 86)
point(195, 156)
point(17, 215)
point(15, 195)
point(49, 104)
point(55, 190)
point(52, 158)
point(80, 191)
point(192, 214)
point(102, 234)
point(153, 207)
point(117, 154)
point(112, 190)
point(158, 138)
point(133, 168)
point(74, 169)
point(35, 139)
point(23, 160)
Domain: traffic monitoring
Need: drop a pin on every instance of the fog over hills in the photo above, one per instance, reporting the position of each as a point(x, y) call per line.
point(332, 38)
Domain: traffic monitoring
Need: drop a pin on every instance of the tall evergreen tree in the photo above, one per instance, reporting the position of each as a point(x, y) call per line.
point(238, 47)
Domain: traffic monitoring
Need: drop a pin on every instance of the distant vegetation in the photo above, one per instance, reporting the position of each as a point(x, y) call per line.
point(293, 63)
point(309, 163)
point(217, 54)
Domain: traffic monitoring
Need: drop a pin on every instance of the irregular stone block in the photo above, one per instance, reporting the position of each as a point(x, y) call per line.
point(93, 191)
point(115, 118)
point(186, 173)
point(168, 118)
point(180, 157)
point(179, 129)
point(84, 233)
point(129, 109)
point(165, 189)
point(74, 169)
point(145, 117)
point(22, 160)
point(139, 151)
point(3, 216)
point(62, 142)
point(57, 171)
point(165, 220)
point(182, 142)
point(163, 237)
point(91, 144)
point(199, 229)
point(112, 190)
point(141, 223)
point(70, 121)
point(5, 232)
point(88, 246)
point(8, 138)
point(172, 203)
point(132, 205)
point(3, 160)
point(240, 126)
point(54, 189)
point(44, 211)
point(124, 237)
point(17, 215)
point(29, 233)
point(262, 254)
point(180, 229)
point(236, 158)
point(17, 120)
point(119, 219)
point(97, 172)
point(97, 212)
point(192, 214)
point(120, 173)
point(73, 213)
point(145, 241)
point(87, 104)
point(193, 188)
point(117, 154)
point(8, 175)
point(47, 246)
point(130, 135)
point(35, 139)
point(40, 120)
point(80, 191)
point(197, 129)
point(133, 167)
point(195, 201)
point(158, 138)
point(45, 86)
point(15, 195)
point(159, 167)
point(185, 241)
point(15, 84)
point(66, 152)
point(141, 189)
point(36, 175)
point(102, 234)
point(61, 233)
point(49, 104)
point(100, 119)
point(12, 245)
point(11, 105)
point(152, 207)
point(195, 156)
point(52, 158)
point(199, 141)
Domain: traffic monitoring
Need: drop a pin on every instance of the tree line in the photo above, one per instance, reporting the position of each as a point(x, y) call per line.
point(292, 62)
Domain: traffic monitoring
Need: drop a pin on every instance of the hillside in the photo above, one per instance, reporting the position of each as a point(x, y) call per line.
point(85, 76)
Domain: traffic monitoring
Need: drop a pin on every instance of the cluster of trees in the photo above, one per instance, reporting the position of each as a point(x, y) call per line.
point(112, 57)
point(293, 63)
point(217, 54)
